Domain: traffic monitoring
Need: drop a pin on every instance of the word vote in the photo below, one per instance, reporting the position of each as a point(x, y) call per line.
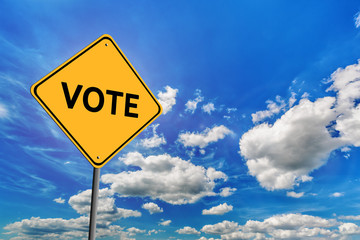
point(71, 100)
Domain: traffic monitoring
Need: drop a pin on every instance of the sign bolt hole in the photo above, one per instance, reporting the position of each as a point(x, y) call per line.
point(106, 44)
point(98, 157)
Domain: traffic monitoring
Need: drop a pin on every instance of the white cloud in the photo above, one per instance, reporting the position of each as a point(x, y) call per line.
point(303, 233)
point(213, 174)
point(305, 95)
point(59, 200)
point(155, 140)
point(283, 154)
point(165, 222)
point(356, 218)
point(349, 229)
point(204, 138)
point(295, 195)
point(357, 20)
point(188, 230)
point(167, 99)
point(218, 210)
point(290, 221)
point(243, 235)
point(292, 99)
point(204, 238)
point(49, 228)
point(221, 228)
point(107, 211)
point(191, 105)
point(286, 226)
point(81, 201)
point(152, 207)
point(208, 108)
point(153, 231)
point(76, 228)
point(273, 108)
point(345, 149)
point(58, 228)
point(337, 194)
point(133, 231)
point(346, 83)
point(227, 191)
point(230, 110)
point(170, 179)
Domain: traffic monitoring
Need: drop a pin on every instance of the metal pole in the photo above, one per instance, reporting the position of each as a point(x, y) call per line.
point(94, 200)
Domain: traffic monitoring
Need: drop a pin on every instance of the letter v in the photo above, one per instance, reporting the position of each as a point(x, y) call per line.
point(71, 101)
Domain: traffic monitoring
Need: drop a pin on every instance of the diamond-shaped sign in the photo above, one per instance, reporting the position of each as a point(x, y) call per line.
point(98, 100)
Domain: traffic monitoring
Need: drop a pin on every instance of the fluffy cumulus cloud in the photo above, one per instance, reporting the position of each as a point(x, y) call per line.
point(243, 235)
point(76, 228)
point(188, 230)
point(288, 221)
point(294, 194)
point(170, 179)
point(349, 229)
point(155, 140)
point(221, 228)
point(204, 238)
point(133, 231)
point(167, 99)
point(58, 228)
point(106, 211)
point(285, 153)
point(218, 210)
point(227, 191)
point(285, 226)
point(191, 105)
point(165, 222)
point(208, 108)
point(49, 228)
point(203, 139)
point(346, 83)
point(152, 207)
point(213, 174)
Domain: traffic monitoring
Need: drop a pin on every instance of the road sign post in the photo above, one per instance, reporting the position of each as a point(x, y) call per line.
point(100, 102)
point(94, 201)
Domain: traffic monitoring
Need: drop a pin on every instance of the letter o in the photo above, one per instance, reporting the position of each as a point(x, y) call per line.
point(86, 99)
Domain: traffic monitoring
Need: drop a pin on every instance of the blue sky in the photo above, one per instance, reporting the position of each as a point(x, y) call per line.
point(258, 138)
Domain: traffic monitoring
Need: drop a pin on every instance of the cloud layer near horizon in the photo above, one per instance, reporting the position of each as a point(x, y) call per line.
point(170, 179)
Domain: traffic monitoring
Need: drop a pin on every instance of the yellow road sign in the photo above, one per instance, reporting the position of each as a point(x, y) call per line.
point(98, 99)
